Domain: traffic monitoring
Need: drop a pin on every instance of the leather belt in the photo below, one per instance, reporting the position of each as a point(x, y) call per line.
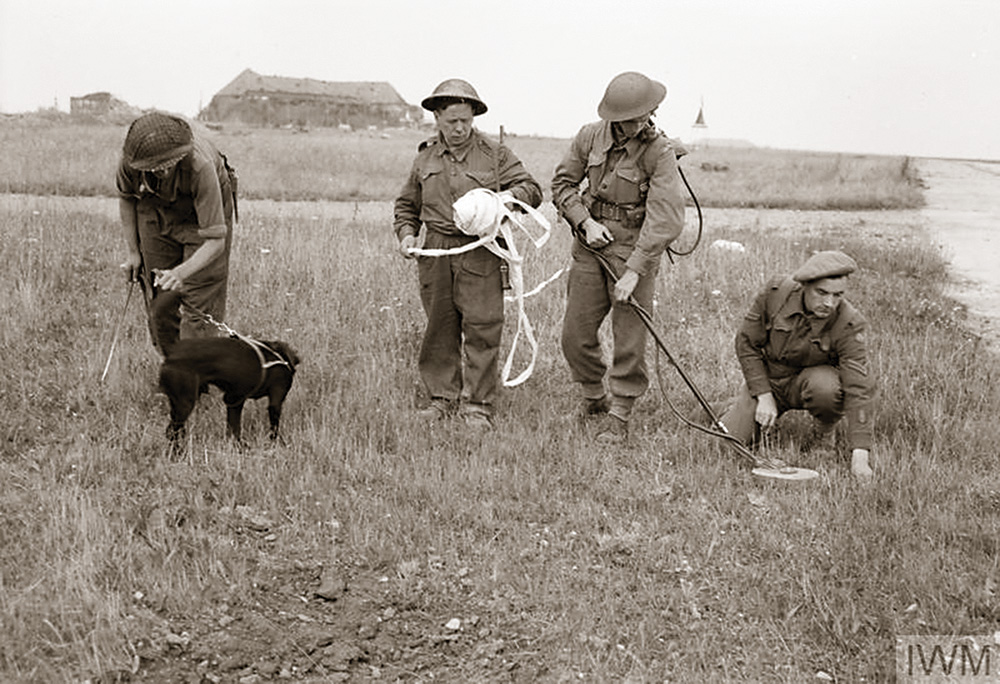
point(608, 210)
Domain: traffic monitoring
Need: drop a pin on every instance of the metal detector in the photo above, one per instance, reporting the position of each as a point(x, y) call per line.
point(761, 467)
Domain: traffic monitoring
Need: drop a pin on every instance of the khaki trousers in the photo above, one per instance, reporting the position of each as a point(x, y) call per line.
point(588, 301)
point(462, 296)
point(816, 389)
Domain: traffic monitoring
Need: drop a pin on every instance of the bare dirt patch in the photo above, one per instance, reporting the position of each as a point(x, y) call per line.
point(963, 215)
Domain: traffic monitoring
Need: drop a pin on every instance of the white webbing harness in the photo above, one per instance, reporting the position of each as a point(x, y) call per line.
point(485, 214)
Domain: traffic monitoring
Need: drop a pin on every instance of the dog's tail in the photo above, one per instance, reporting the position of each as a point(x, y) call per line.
point(164, 319)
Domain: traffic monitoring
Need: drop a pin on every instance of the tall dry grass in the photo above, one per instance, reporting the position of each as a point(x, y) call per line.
point(662, 561)
point(61, 157)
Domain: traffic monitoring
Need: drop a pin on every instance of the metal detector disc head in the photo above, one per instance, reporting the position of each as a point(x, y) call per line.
point(786, 473)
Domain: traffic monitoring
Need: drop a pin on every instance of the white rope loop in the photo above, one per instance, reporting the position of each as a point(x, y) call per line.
point(485, 214)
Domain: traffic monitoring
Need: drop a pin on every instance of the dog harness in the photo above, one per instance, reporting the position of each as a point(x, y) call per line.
point(258, 347)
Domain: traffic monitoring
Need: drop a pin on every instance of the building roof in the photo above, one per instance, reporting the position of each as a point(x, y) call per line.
point(361, 92)
point(102, 96)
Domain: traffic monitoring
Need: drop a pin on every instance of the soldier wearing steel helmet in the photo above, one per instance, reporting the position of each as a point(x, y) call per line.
point(802, 346)
point(176, 202)
point(462, 294)
point(619, 189)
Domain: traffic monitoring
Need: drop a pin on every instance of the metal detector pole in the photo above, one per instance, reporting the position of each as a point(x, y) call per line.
point(647, 320)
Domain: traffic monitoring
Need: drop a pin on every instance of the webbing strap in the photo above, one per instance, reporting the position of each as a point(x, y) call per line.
point(502, 227)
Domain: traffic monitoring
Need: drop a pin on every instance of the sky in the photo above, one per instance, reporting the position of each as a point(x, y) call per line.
point(914, 77)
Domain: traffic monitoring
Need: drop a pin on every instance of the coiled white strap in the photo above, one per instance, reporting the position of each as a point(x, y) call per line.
point(487, 215)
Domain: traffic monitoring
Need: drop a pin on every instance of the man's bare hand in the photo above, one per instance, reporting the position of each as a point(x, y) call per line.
point(596, 234)
point(406, 244)
point(626, 285)
point(168, 279)
point(767, 411)
point(131, 267)
point(860, 467)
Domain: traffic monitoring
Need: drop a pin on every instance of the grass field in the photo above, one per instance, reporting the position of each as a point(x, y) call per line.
point(59, 158)
point(529, 556)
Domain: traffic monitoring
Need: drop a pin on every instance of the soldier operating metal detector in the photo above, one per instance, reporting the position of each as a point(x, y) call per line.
point(761, 467)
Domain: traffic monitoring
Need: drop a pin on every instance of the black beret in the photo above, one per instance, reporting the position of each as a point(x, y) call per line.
point(831, 264)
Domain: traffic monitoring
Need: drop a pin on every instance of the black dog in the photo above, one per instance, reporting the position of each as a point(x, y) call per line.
point(241, 367)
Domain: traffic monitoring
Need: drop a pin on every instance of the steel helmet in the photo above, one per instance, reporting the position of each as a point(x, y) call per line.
point(157, 141)
point(453, 91)
point(629, 96)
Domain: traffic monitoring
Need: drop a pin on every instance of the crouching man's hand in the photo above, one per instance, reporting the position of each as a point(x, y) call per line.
point(767, 411)
point(860, 467)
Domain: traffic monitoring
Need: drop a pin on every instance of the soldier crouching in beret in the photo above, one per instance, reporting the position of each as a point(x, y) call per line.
point(802, 346)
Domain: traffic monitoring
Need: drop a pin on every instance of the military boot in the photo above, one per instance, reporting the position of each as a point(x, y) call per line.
point(612, 431)
point(438, 409)
point(477, 417)
point(595, 407)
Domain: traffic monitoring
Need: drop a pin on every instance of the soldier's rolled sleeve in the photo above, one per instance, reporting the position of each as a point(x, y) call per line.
point(406, 212)
point(566, 181)
point(664, 219)
point(857, 384)
point(515, 178)
point(750, 341)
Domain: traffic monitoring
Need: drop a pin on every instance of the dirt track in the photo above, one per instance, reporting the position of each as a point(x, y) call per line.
point(963, 215)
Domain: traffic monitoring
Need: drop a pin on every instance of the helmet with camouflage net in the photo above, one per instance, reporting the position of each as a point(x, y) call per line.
point(157, 141)
point(454, 91)
point(629, 96)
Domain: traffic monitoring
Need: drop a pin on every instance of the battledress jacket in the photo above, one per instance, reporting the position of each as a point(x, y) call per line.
point(778, 339)
point(641, 180)
point(440, 176)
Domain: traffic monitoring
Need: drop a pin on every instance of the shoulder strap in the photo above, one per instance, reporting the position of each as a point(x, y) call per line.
point(779, 295)
point(846, 317)
point(647, 137)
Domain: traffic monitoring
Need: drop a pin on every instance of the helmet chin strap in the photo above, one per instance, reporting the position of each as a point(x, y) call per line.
point(617, 129)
